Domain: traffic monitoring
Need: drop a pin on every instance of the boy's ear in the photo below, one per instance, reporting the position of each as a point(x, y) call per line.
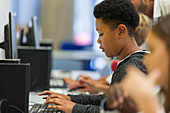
point(122, 29)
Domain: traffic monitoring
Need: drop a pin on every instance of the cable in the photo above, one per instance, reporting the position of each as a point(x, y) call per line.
point(3, 105)
point(15, 108)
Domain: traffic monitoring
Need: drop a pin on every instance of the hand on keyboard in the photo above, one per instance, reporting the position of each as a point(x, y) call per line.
point(60, 101)
point(54, 95)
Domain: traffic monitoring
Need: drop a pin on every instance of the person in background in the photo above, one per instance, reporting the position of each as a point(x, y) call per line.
point(116, 21)
point(158, 65)
point(144, 6)
point(87, 84)
point(154, 9)
point(141, 32)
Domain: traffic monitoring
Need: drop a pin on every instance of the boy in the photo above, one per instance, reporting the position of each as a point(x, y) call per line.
point(116, 21)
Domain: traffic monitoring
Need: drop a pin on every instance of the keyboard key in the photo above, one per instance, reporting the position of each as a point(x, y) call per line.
point(43, 108)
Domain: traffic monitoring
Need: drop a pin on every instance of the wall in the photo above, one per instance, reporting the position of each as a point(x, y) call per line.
point(57, 20)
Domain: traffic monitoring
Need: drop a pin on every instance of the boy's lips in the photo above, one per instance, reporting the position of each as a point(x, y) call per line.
point(101, 48)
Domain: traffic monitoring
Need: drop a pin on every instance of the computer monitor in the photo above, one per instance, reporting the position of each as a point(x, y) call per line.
point(12, 34)
point(29, 37)
point(32, 34)
point(35, 31)
point(10, 41)
point(14, 85)
point(40, 60)
point(21, 37)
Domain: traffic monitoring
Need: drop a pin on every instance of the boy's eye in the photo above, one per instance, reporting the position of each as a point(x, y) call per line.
point(101, 34)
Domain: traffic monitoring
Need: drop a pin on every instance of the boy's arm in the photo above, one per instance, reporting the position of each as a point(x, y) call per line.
point(87, 99)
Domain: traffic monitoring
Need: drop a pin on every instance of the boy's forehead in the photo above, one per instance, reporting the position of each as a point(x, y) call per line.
point(99, 24)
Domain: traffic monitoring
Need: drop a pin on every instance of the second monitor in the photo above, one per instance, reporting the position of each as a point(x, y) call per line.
point(40, 60)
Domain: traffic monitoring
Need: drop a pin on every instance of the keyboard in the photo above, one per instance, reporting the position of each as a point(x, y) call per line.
point(43, 108)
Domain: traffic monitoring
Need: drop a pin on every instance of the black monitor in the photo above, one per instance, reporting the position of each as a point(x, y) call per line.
point(32, 34)
point(10, 41)
point(22, 37)
point(14, 85)
point(12, 34)
point(35, 31)
point(40, 61)
point(29, 37)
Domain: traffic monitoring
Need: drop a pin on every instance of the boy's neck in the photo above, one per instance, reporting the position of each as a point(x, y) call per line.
point(129, 49)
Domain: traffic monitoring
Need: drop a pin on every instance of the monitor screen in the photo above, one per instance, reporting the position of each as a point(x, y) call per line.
point(12, 35)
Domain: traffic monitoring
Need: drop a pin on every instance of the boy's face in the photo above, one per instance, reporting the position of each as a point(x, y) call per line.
point(108, 39)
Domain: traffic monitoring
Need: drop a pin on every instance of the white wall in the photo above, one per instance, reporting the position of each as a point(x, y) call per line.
point(4, 9)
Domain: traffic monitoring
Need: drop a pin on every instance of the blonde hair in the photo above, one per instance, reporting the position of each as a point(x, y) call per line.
point(142, 29)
